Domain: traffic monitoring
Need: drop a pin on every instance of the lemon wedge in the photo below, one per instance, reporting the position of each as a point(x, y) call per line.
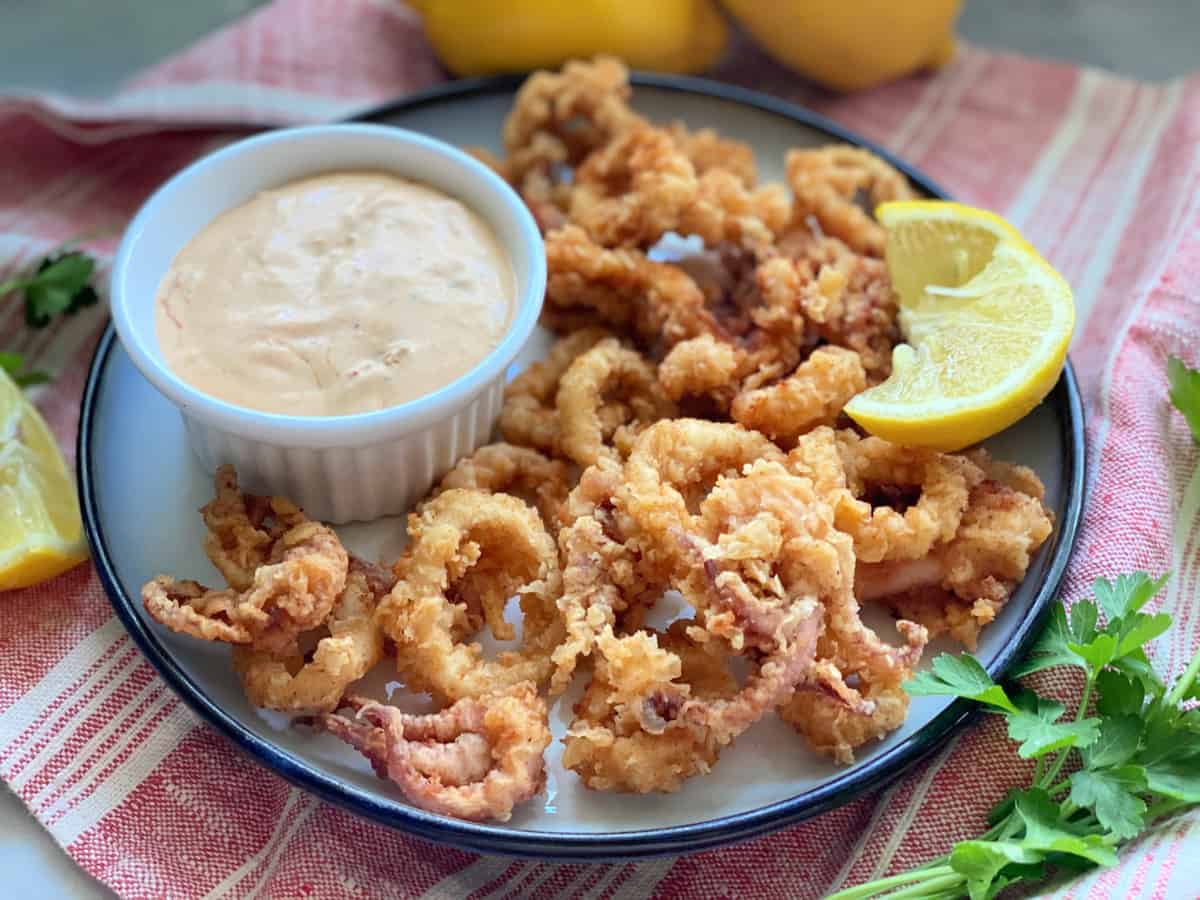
point(41, 534)
point(987, 323)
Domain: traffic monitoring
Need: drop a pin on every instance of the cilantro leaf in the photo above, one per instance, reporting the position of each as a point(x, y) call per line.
point(1113, 796)
point(982, 861)
point(13, 364)
point(1119, 694)
point(959, 676)
point(1127, 594)
point(1045, 831)
point(1185, 392)
point(1035, 725)
point(58, 286)
point(1051, 648)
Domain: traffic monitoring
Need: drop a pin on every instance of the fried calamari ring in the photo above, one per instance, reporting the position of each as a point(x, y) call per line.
point(521, 471)
point(352, 648)
point(700, 367)
point(962, 584)
point(708, 150)
point(603, 572)
point(796, 289)
point(639, 679)
point(764, 548)
point(293, 590)
point(588, 385)
point(475, 760)
point(658, 302)
point(826, 182)
point(529, 417)
point(672, 467)
point(904, 499)
point(812, 395)
point(632, 191)
point(580, 108)
point(835, 728)
point(865, 317)
point(472, 550)
point(724, 209)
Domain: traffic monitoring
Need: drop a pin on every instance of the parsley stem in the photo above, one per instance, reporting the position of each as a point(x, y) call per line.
point(874, 888)
point(1184, 682)
point(1084, 700)
point(1164, 807)
point(933, 886)
point(1059, 787)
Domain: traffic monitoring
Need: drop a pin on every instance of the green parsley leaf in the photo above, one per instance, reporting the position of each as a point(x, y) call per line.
point(982, 861)
point(58, 286)
point(1115, 744)
point(13, 364)
point(1051, 648)
point(1098, 652)
point(1119, 694)
point(1162, 730)
point(1177, 780)
point(1084, 616)
point(1113, 796)
point(1127, 594)
point(1185, 392)
point(959, 676)
point(1035, 725)
point(1139, 629)
point(1137, 666)
point(1045, 831)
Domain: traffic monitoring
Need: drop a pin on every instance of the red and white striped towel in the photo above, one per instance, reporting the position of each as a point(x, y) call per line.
point(1100, 172)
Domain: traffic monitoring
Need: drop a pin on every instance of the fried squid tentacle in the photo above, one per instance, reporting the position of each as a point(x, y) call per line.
point(354, 645)
point(292, 590)
point(476, 760)
point(627, 734)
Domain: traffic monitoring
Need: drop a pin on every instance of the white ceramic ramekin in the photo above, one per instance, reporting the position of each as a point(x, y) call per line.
point(339, 468)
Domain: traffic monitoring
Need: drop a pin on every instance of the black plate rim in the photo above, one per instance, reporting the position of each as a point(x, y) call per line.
point(594, 846)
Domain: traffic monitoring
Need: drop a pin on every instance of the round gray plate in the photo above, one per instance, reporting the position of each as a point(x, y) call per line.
point(140, 517)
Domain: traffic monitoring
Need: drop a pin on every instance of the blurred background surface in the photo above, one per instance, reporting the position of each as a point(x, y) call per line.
point(88, 48)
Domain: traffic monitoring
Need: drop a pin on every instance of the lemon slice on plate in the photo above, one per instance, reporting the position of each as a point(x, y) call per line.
point(41, 534)
point(987, 323)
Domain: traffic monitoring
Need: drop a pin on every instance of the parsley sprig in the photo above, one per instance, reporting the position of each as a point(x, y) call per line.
point(60, 284)
point(1133, 755)
point(1127, 756)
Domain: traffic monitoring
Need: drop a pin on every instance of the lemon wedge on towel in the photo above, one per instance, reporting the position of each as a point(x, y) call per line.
point(41, 534)
point(986, 322)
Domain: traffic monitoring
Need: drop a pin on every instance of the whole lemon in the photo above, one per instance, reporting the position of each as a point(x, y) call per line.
point(480, 37)
point(848, 45)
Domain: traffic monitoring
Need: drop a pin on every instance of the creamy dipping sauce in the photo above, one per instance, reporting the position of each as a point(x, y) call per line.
point(337, 294)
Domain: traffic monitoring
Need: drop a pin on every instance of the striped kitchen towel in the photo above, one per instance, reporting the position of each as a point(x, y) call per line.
point(1100, 172)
